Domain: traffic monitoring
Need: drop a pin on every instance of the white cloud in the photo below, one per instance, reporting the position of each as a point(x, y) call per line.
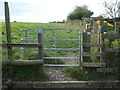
point(48, 10)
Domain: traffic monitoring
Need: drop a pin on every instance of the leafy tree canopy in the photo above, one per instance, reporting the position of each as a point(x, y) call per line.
point(80, 12)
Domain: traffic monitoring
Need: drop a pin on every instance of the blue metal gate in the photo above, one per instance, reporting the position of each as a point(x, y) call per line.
point(61, 47)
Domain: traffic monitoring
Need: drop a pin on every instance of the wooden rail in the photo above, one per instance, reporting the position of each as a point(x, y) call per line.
point(91, 45)
point(91, 54)
point(105, 70)
point(112, 49)
point(111, 36)
point(20, 45)
point(93, 64)
point(23, 62)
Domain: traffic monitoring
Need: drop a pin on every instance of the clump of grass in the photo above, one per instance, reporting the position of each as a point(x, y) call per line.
point(25, 73)
point(85, 74)
point(30, 73)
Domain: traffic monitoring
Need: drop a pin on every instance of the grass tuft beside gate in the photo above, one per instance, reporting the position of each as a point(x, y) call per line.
point(23, 73)
point(83, 74)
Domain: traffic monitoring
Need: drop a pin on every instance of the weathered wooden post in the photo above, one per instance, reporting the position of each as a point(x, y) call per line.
point(118, 25)
point(86, 39)
point(102, 29)
point(8, 32)
point(118, 53)
point(40, 49)
point(8, 36)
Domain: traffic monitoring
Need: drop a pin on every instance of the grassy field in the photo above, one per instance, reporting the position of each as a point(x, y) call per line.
point(17, 26)
point(16, 35)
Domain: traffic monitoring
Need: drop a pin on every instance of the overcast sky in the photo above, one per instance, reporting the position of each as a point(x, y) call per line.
point(47, 10)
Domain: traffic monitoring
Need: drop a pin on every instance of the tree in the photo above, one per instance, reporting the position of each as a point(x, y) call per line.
point(118, 9)
point(80, 12)
point(111, 8)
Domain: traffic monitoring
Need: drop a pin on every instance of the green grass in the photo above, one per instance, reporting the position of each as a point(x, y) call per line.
point(17, 26)
point(16, 35)
point(24, 73)
point(34, 73)
point(87, 74)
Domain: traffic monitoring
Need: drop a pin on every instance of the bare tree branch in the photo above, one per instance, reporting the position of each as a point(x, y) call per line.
point(111, 8)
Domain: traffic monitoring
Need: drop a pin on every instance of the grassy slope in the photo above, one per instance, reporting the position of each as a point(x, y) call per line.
point(16, 35)
point(17, 26)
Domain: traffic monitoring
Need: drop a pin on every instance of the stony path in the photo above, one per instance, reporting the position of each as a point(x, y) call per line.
point(71, 61)
point(56, 74)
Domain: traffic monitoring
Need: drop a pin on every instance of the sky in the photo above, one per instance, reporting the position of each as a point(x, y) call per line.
point(47, 10)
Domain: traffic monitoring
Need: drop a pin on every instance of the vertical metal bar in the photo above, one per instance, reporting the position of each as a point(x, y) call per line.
point(82, 47)
point(8, 32)
point(26, 41)
point(42, 31)
point(55, 46)
point(79, 53)
point(26, 35)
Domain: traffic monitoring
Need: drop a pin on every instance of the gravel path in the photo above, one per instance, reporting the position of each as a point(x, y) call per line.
point(57, 74)
point(71, 61)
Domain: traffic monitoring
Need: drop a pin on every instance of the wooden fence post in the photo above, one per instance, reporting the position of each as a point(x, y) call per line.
point(103, 58)
point(40, 49)
point(86, 39)
point(118, 53)
point(118, 28)
point(8, 32)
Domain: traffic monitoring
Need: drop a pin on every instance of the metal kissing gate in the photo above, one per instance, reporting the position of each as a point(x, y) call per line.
point(61, 47)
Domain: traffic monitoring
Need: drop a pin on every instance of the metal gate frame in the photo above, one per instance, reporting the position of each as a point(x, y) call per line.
point(55, 49)
point(27, 39)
